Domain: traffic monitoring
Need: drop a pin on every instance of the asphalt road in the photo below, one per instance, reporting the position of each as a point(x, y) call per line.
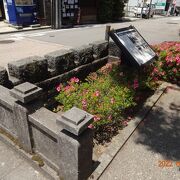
point(44, 41)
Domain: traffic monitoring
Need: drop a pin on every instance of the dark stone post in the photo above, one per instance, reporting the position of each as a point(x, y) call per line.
point(4, 80)
point(75, 145)
point(108, 28)
point(24, 93)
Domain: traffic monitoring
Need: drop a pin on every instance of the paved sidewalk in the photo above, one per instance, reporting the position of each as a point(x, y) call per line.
point(6, 28)
point(14, 167)
point(155, 140)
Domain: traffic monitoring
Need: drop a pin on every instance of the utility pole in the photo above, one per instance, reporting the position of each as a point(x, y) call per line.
point(142, 5)
point(149, 8)
point(56, 22)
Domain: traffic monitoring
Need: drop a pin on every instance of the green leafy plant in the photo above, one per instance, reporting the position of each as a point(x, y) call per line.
point(106, 94)
point(110, 10)
point(113, 92)
point(168, 65)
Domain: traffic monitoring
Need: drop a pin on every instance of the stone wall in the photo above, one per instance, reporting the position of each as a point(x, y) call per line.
point(114, 50)
point(63, 140)
point(7, 119)
point(59, 66)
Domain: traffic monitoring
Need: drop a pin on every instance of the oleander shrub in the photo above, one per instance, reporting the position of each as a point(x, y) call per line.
point(107, 94)
point(114, 92)
point(167, 67)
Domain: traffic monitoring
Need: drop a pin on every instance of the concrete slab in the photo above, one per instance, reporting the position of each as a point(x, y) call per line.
point(4, 28)
point(9, 160)
point(24, 172)
point(20, 49)
point(8, 28)
point(155, 141)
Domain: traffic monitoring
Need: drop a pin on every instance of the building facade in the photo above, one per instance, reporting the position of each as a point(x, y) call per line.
point(25, 12)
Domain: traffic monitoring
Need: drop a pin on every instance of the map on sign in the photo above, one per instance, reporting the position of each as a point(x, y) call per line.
point(134, 44)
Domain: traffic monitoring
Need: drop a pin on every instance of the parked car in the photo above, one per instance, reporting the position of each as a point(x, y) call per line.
point(145, 11)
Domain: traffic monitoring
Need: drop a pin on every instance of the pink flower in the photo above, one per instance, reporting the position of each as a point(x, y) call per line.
point(162, 73)
point(160, 63)
point(67, 88)
point(74, 80)
point(110, 117)
point(136, 84)
point(178, 60)
point(58, 88)
point(97, 93)
point(85, 91)
point(155, 70)
point(170, 64)
point(125, 123)
point(174, 70)
point(155, 79)
point(169, 59)
point(84, 104)
point(129, 118)
point(91, 126)
point(96, 118)
point(112, 100)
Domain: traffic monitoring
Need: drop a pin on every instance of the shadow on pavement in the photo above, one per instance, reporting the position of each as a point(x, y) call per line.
point(160, 131)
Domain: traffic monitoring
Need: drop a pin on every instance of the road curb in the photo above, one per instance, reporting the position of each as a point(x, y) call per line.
point(25, 30)
point(119, 141)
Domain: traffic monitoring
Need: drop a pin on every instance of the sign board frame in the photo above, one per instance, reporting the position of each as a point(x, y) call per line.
point(133, 46)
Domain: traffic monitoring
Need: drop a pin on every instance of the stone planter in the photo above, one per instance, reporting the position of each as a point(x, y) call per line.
point(63, 141)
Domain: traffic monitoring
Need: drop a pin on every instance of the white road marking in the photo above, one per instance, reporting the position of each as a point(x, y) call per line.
point(15, 38)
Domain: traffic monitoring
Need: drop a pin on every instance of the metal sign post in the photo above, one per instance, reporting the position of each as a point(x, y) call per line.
point(149, 8)
point(56, 14)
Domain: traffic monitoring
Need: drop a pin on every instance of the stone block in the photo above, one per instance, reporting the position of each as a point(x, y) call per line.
point(26, 92)
point(22, 126)
point(114, 50)
point(15, 81)
point(75, 154)
point(6, 99)
point(61, 60)
point(83, 55)
point(75, 120)
point(3, 76)
point(46, 145)
point(100, 49)
point(7, 120)
point(32, 69)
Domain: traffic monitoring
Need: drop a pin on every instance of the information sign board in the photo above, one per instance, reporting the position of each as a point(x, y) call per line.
point(134, 48)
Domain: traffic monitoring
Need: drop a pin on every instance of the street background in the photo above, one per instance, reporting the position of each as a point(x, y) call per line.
point(41, 42)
